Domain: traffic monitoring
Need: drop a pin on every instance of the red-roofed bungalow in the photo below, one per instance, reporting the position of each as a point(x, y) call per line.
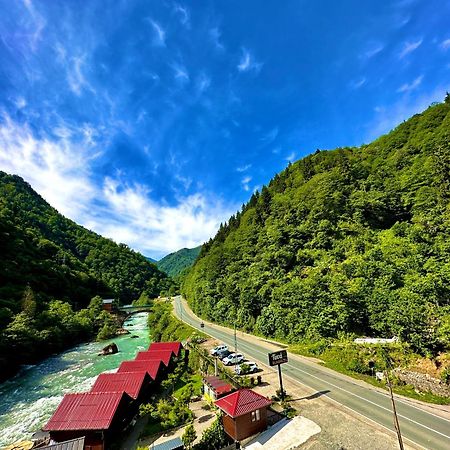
point(215, 387)
point(99, 416)
point(153, 367)
point(165, 356)
point(135, 384)
point(245, 413)
point(175, 347)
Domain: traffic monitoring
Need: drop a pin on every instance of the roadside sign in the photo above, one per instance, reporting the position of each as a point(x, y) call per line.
point(277, 358)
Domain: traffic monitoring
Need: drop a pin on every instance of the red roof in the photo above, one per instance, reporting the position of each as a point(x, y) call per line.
point(129, 382)
point(87, 411)
point(160, 355)
point(175, 347)
point(152, 367)
point(218, 385)
point(242, 402)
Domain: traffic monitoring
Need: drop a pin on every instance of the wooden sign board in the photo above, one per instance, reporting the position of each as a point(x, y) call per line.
point(276, 358)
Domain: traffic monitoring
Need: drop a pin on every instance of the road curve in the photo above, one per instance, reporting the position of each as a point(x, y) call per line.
point(421, 427)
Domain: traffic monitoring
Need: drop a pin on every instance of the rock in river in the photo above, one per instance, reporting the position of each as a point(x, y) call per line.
point(110, 349)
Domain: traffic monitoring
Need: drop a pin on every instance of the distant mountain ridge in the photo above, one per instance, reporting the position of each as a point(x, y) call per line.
point(353, 240)
point(176, 262)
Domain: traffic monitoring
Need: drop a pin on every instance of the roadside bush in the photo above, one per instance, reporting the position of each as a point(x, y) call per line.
point(214, 437)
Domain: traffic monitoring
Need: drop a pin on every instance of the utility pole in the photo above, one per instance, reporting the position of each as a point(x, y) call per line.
point(394, 410)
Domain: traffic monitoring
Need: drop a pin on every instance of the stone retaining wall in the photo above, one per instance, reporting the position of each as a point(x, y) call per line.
point(423, 382)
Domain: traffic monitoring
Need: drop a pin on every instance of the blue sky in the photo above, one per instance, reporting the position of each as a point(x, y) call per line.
point(150, 122)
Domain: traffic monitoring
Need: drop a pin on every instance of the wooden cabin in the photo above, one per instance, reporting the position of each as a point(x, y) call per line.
point(244, 413)
point(153, 367)
point(214, 387)
point(100, 417)
point(174, 347)
point(108, 304)
point(138, 385)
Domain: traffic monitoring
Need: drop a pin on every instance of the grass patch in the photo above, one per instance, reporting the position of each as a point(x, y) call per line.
point(353, 361)
point(164, 326)
point(195, 380)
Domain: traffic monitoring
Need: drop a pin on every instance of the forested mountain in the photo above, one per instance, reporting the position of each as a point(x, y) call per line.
point(46, 259)
point(174, 263)
point(354, 240)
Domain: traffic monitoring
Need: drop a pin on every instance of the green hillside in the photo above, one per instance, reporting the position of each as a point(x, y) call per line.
point(354, 240)
point(174, 263)
point(46, 259)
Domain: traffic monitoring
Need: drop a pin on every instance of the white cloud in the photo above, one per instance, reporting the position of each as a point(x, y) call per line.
point(203, 82)
point(407, 87)
point(75, 75)
point(372, 50)
point(20, 102)
point(445, 44)
point(59, 169)
point(183, 14)
point(215, 35)
point(409, 47)
point(159, 34)
point(356, 84)
point(159, 229)
point(291, 157)
point(269, 137)
point(180, 73)
point(245, 182)
point(37, 27)
point(248, 63)
point(243, 168)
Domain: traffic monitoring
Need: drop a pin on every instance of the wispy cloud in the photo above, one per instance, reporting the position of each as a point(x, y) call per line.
point(372, 50)
point(159, 38)
point(60, 169)
point(183, 14)
point(291, 157)
point(180, 73)
point(215, 35)
point(203, 82)
point(409, 47)
point(248, 63)
point(356, 84)
point(445, 44)
point(75, 75)
point(243, 168)
point(406, 87)
point(269, 137)
point(245, 183)
point(37, 27)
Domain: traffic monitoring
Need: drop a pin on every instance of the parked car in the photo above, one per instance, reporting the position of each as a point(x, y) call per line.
point(223, 353)
point(218, 349)
point(247, 367)
point(234, 358)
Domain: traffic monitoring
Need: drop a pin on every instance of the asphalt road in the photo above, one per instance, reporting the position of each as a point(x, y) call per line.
point(421, 427)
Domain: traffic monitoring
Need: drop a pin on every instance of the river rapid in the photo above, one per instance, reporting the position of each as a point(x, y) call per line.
point(29, 399)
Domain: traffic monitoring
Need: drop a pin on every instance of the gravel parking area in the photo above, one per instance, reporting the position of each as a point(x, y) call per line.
point(341, 428)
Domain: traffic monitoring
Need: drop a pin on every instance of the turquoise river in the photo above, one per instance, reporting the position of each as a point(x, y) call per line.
point(29, 399)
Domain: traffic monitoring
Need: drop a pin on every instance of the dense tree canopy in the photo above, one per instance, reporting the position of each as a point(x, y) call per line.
point(50, 268)
point(354, 240)
point(175, 263)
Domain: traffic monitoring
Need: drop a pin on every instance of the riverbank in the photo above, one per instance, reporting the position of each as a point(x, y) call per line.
point(29, 399)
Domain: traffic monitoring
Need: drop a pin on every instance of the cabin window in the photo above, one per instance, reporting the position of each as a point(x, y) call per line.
point(256, 415)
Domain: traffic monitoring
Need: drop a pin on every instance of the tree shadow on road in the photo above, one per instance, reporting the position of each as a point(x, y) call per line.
point(312, 396)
